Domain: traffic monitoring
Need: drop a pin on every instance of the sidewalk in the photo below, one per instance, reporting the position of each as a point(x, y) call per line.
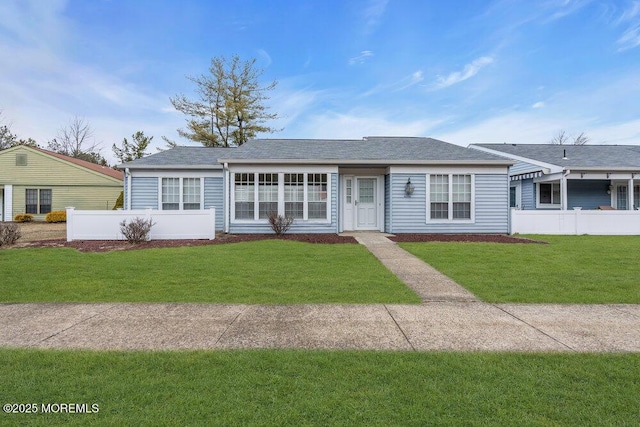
point(450, 326)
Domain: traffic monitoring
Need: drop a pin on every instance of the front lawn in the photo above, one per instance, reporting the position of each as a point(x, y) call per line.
point(570, 269)
point(322, 388)
point(262, 272)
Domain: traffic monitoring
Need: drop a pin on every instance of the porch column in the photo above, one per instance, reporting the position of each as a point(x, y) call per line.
point(630, 192)
point(563, 191)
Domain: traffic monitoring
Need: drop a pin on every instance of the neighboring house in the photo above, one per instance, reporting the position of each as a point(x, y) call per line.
point(37, 181)
point(392, 184)
point(570, 176)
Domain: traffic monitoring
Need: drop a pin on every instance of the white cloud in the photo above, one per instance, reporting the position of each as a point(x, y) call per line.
point(538, 104)
point(265, 57)
point(562, 8)
point(357, 124)
point(467, 72)
point(360, 59)
point(373, 13)
point(630, 38)
point(404, 83)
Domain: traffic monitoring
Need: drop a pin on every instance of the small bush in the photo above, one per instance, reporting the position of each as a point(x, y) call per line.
point(280, 224)
point(56, 216)
point(137, 230)
point(119, 202)
point(9, 234)
point(23, 218)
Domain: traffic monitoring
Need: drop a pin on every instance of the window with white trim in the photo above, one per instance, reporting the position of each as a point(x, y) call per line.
point(317, 195)
point(302, 196)
point(294, 195)
point(450, 197)
point(244, 195)
point(181, 194)
point(191, 193)
point(170, 194)
point(636, 196)
point(267, 194)
point(549, 194)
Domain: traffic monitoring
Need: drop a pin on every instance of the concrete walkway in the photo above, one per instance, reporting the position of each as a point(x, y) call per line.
point(448, 326)
point(426, 281)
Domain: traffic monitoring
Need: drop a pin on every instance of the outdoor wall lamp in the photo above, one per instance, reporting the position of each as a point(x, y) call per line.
point(609, 190)
point(409, 187)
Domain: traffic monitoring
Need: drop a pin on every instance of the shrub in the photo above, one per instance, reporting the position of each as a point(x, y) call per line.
point(56, 216)
point(119, 202)
point(9, 234)
point(137, 230)
point(23, 218)
point(280, 224)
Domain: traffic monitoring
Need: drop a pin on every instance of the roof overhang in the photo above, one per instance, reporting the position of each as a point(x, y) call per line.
point(169, 167)
point(377, 162)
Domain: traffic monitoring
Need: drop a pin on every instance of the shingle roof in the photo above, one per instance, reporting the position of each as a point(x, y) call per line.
point(376, 150)
point(577, 156)
point(105, 170)
point(180, 157)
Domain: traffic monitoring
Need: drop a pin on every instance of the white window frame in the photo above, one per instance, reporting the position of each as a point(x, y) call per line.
point(518, 186)
point(181, 192)
point(552, 205)
point(450, 202)
point(281, 201)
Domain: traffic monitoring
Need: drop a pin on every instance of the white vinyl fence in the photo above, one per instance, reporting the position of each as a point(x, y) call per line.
point(105, 225)
point(575, 222)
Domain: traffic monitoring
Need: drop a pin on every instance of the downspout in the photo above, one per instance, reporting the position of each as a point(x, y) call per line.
point(563, 191)
point(127, 175)
point(226, 197)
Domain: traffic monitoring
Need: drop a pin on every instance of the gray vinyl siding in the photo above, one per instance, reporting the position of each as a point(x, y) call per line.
point(144, 192)
point(409, 213)
point(387, 204)
point(528, 194)
point(214, 196)
point(298, 226)
point(588, 194)
point(523, 167)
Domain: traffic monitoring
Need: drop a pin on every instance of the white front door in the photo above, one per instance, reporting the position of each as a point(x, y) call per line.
point(366, 204)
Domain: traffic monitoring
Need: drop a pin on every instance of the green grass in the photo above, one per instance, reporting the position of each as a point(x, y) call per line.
point(323, 388)
point(263, 272)
point(570, 269)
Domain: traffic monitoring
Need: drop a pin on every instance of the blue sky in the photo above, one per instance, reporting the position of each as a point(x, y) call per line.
point(461, 71)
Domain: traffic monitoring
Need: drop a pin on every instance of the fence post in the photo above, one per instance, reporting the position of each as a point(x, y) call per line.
point(70, 211)
point(578, 220)
point(212, 215)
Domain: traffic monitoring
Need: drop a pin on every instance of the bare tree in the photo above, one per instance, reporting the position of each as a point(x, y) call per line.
point(8, 139)
point(563, 139)
point(230, 107)
point(76, 140)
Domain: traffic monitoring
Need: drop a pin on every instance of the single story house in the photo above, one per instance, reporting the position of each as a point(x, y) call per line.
point(37, 181)
point(563, 177)
point(391, 184)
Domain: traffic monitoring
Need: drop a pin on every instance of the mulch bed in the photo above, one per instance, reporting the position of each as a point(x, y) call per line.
point(122, 245)
point(489, 238)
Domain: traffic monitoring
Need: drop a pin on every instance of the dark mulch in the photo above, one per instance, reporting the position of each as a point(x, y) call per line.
point(122, 245)
point(489, 238)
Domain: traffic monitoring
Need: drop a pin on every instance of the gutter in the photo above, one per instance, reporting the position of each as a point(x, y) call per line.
point(226, 206)
point(127, 175)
